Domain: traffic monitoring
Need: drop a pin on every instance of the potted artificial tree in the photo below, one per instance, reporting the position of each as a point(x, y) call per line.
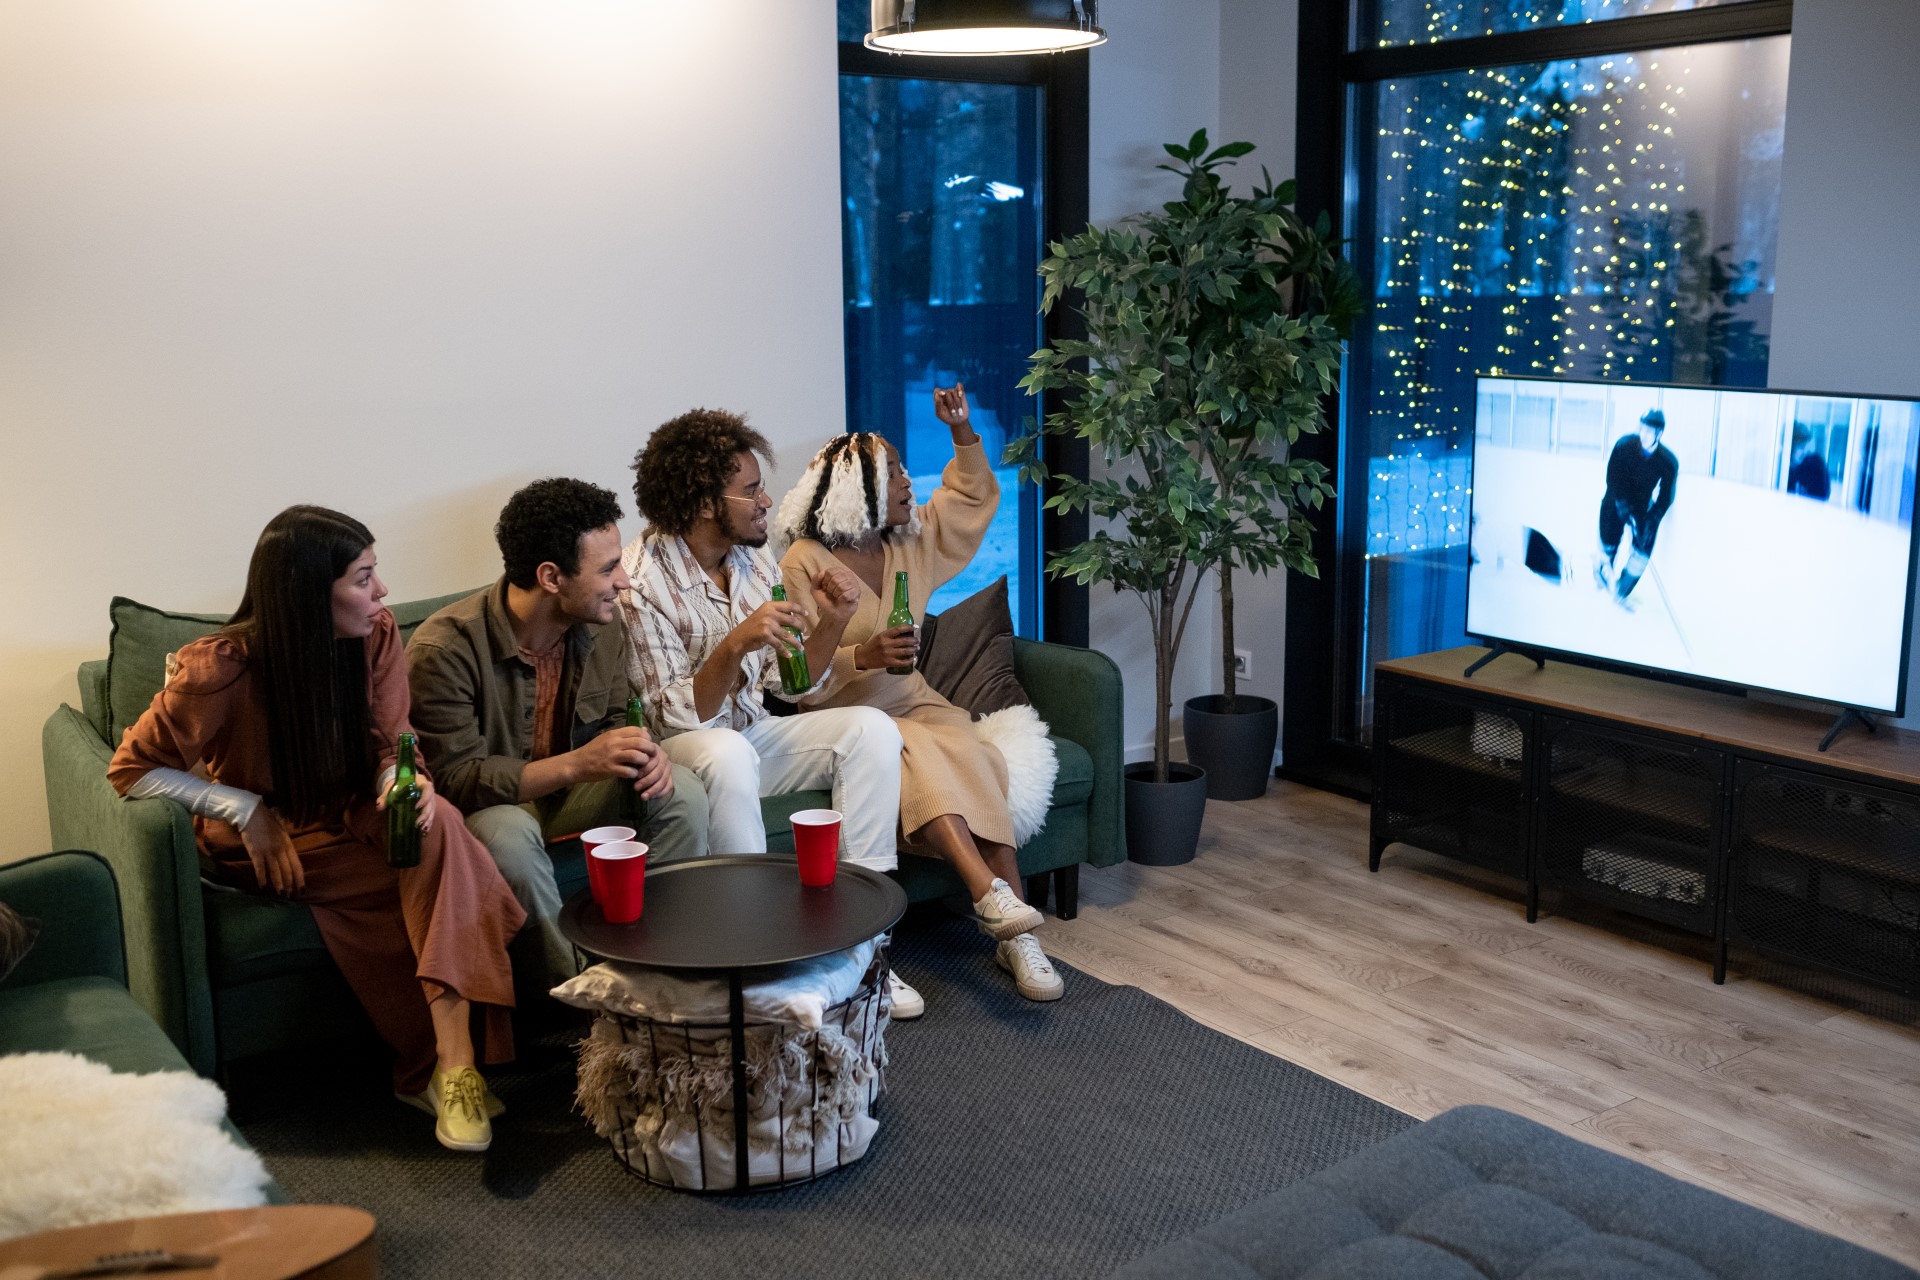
point(1270, 344)
point(1150, 387)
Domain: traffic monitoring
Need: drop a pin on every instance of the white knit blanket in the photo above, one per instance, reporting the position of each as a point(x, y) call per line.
point(81, 1143)
point(798, 993)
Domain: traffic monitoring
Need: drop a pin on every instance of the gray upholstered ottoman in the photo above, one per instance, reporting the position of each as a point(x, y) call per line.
point(1478, 1193)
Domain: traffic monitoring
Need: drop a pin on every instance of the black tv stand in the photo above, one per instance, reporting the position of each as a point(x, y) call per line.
point(1846, 717)
point(1711, 813)
point(1500, 647)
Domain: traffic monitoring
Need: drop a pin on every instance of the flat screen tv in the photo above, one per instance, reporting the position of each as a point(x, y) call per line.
point(1763, 539)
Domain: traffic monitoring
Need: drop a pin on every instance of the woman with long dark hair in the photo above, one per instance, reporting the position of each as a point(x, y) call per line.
point(294, 709)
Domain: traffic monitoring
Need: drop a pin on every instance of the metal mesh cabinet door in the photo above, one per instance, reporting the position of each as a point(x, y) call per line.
point(1631, 821)
point(1827, 872)
point(1451, 775)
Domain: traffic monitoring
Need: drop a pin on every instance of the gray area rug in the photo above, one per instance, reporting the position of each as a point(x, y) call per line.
point(1015, 1140)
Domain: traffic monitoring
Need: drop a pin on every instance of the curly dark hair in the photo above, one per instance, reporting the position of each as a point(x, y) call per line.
point(544, 522)
point(686, 464)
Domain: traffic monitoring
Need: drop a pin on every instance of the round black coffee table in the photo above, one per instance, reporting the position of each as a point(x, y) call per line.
point(732, 913)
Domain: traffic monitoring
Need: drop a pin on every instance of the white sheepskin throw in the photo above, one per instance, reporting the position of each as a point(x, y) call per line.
point(1021, 735)
point(81, 1143)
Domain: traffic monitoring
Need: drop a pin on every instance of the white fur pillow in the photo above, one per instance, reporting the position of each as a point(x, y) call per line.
point(81, 1143)
point(1022, 737)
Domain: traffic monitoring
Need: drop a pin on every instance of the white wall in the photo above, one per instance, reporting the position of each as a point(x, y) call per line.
point(1846, 306)
point(399, 259)
point(1258, 92)
point(1155, 81)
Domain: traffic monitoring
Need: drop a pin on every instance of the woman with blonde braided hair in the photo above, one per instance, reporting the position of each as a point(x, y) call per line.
point(854, 508)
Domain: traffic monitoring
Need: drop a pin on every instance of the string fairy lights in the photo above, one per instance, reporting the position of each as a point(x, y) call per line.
point(1524, 220)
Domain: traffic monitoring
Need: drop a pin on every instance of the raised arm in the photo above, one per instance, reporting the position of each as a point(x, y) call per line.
point(955, 518)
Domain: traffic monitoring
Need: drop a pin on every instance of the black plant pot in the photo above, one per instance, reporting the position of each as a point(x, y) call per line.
point(1163, 818)
point(1234, 747)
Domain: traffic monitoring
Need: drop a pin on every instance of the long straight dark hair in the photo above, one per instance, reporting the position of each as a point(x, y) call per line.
point(315, 686)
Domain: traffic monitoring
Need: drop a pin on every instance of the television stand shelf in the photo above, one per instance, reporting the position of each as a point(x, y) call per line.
point(1718, 814)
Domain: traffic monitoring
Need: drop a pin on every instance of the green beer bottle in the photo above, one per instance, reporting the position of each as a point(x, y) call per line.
point(403, 809)
point(794, 676)
point(636, 719)
point(902, 616)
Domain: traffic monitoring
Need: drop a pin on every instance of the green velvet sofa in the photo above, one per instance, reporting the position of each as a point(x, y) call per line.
point(231, 974)
point(69, 994)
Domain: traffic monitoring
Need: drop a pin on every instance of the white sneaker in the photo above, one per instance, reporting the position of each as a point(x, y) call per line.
point(1001, 915)
point(907, 1003)
point(1032, 972)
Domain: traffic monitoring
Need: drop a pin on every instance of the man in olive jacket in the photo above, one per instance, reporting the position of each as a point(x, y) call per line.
point(520, 700)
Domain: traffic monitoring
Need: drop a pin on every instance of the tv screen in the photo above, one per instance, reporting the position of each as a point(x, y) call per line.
point(1760, 538)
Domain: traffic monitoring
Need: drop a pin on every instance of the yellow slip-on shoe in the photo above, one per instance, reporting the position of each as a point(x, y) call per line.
point(424, 1100)
point(463, 1123)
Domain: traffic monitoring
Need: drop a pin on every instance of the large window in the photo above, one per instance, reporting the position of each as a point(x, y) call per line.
point(946, 183)
point(1586, 188)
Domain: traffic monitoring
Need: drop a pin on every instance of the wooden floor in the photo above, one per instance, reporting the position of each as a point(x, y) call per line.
point(1425, 987)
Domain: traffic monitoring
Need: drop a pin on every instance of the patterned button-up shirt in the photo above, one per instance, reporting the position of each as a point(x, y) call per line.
point(676, 616)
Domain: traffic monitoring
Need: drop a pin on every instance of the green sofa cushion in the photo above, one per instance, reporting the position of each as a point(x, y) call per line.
point(143, 636)
point(251, 936)
point(137, 656)
point(412, 613)
point(1074, 783)
point(93, 1017)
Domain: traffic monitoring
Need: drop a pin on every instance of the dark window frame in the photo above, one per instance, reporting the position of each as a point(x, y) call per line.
point(1063, 77)
point(1325, 615)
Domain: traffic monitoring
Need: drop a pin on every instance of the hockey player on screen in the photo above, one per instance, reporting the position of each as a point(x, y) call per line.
point(1641, 473)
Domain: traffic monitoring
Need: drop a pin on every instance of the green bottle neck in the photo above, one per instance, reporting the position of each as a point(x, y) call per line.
point(900, 601)
point(403, 761)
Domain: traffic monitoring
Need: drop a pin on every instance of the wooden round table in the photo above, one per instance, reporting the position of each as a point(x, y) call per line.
point(276, 1242)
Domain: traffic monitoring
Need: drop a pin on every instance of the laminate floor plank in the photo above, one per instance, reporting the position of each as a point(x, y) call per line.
point(1548, 1089)
point(1649, 1026)
point(1460, 913)
point(1402, 1081)
point(1875, 1159)
point(1891, 1037)
point(1761, 1015)
point(1834, 1094)
point(1761, 1177)
point(1238, 1011)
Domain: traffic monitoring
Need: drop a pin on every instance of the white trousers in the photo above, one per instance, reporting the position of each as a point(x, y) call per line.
point(855, 750)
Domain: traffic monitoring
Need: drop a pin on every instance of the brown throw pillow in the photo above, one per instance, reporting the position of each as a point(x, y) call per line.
point(16, 938)
point(966, 653)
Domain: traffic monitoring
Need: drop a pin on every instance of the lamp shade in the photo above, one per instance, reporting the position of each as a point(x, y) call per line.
point(970, 28)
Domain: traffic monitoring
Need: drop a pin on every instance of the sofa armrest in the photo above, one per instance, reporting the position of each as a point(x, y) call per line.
point(1080, 694)
point(93, 697)
point(150, 846)
point(74, 898)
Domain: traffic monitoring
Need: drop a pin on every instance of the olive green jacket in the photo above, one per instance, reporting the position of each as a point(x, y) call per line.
point(473, 696)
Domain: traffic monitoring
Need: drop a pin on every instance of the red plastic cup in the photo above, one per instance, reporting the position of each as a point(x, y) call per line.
point(591, 840)
point(623, 879)
point(816, 843)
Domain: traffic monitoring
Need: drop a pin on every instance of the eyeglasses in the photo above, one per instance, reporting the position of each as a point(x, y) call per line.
point(754, 499)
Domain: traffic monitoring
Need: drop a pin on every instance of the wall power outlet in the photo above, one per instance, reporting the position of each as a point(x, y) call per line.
point(1243, 664)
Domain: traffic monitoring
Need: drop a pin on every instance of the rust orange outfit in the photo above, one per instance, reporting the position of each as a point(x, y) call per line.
point(446, 922)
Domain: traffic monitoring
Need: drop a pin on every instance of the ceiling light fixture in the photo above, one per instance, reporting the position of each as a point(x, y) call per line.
point(970, 28)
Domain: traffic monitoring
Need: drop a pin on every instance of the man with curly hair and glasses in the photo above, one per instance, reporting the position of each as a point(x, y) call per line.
point(520, 699)
point(704, 633)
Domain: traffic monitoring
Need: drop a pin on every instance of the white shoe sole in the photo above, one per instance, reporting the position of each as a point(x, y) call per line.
point(1029, 990)
point(1000, 928)
point(480, 1144)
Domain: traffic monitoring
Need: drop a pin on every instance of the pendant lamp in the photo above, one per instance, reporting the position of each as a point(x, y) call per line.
point(970, 28)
